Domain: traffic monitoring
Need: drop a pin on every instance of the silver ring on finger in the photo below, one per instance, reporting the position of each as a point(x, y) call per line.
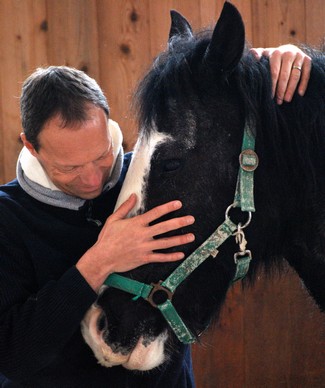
point(296, 67)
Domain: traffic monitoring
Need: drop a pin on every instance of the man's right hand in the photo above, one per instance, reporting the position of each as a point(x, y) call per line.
point(127, 243)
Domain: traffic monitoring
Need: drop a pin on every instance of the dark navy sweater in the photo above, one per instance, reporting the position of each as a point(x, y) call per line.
point(43, 298)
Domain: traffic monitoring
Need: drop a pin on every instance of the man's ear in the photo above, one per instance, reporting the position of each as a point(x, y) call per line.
point(27, 144)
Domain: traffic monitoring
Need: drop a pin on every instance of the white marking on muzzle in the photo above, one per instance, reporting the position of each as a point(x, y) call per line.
point(147, 357)
point(94, 338)
point(137, 175)
point(144, 356)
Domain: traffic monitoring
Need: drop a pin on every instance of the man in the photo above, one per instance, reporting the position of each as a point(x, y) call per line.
point(59, 239)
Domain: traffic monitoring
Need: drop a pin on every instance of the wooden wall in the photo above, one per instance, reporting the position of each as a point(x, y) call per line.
point(269, 336)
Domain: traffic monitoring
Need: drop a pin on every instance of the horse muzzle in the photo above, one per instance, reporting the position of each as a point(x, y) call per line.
point(146, 355)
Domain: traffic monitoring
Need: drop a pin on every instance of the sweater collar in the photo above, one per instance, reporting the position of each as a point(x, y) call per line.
point(34, 180)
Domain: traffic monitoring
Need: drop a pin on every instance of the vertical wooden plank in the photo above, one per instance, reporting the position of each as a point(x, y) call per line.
point(315, 22)
point(159, 21)
point(209, 12)
point(22, 46)
point(219, 359)
point(72, 35)
point(125, 52)
point(269, 335)
point(284, 334)
point(278, 22)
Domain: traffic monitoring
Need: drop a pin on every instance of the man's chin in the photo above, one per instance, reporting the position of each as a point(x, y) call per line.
point(85, 194)
point(90, 195)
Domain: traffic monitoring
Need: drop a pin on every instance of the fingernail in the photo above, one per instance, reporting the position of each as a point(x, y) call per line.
point(190, 237)
point(190, 220)
point(177, 204)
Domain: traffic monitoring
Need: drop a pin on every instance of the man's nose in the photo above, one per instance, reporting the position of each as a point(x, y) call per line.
point(91, 175)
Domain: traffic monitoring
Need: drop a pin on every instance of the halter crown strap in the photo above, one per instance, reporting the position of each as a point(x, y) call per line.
point(248, 160)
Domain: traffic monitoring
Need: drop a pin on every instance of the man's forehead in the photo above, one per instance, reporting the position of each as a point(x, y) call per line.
point(89, 112)
point(72, 145)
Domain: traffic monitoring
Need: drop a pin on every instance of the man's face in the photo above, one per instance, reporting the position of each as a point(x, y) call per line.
point(77, 158)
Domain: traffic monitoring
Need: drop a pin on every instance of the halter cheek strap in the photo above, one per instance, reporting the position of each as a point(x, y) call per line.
point(160, 294)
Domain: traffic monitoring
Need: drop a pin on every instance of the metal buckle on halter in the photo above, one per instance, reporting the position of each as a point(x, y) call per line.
point(156, 287)
point(248, 160)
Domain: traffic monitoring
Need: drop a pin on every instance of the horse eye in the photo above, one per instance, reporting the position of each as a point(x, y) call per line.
point(171, 165)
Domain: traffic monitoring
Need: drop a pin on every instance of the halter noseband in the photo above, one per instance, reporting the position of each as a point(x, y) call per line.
point(244, 199)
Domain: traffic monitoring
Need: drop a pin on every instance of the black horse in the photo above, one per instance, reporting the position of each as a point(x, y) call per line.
point(202, 106)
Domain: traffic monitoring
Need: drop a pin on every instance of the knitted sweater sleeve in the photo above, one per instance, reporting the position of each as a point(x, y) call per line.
point(35, 325)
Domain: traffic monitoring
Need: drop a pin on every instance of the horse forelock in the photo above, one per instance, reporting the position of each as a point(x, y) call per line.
point(170, 79)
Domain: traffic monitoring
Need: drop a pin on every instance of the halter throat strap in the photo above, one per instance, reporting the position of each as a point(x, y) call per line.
point(244, 199)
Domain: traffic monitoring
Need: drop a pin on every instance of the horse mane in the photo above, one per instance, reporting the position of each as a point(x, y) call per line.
point(293, 132)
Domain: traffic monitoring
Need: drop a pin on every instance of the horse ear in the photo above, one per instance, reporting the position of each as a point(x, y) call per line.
point(228, 40)
point(179, 26)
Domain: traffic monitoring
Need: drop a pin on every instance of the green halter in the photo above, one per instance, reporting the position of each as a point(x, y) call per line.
point(244, 199)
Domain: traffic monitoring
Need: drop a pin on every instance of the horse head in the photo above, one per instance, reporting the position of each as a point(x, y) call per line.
point(200, 99)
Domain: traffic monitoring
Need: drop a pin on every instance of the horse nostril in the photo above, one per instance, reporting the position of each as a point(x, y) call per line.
point(102, 322)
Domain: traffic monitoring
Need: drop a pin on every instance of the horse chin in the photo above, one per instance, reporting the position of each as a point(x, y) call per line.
point(146, 355)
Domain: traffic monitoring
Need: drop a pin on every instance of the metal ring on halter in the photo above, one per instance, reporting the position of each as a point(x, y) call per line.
point(233, 205)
